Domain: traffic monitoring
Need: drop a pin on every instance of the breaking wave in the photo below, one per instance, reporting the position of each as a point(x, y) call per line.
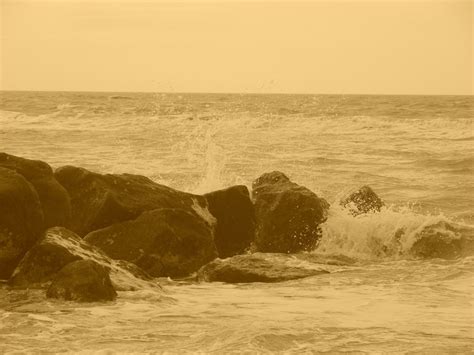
point(389, 234)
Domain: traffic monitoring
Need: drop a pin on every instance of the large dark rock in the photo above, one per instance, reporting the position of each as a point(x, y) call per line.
point(98, 201)
point(59, 247)
point(82, 281)
point(235, 216)
point(49, 255)
point(21, 219)
point(288, 215)
point(258, 267)
point(364, 200)
point(53, 197)
point(444, 240)
point(163, 242)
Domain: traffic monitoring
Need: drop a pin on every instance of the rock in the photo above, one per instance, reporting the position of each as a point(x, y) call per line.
point(258, 267)
point(53, 197)
point(46, 258)
point(98, 201)
point(82, 281)
point(58, 248)
point(444, 240)
point(163, 242)
point(288, 215)
point(235, 216)
point(364, 200)
point(21, 219)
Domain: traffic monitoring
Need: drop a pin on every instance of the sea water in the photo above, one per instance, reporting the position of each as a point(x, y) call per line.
point(416, 152)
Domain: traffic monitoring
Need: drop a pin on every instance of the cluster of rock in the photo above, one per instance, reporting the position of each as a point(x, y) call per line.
point(84, 235)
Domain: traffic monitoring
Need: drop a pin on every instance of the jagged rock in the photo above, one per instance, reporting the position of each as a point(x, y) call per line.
point(235, 219)
point(364, 200)
point(98, 201)
point(82, 281)
point(288, 215)
point(46, 258)
point(58, 248)
point(163, 242)
point(53, 197)
point(258, 267)
point(21, 219)
point(444, 240)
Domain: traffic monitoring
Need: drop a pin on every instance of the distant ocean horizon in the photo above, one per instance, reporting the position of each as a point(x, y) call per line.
point(211, 92)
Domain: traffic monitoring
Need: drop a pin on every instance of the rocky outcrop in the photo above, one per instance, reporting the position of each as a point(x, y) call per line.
point(98, 201)
point(53, 197)
point(235, 219)
point(59, 247)
point(21, 219)
point(364, 200)
point(82, 281)
point(40, 264)
point(444, 240)
point(163, 242)
point(288, 215)
point(258, 267)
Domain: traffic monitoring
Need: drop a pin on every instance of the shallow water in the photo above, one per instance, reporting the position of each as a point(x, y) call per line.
point(415, 151)
point(406, 307)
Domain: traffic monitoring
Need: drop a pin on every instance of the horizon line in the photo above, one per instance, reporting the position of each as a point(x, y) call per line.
point(225, 93)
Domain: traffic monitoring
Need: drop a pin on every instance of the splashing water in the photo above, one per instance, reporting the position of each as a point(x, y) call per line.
point(385, 235)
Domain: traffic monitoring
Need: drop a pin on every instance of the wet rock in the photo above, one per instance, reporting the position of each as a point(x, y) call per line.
point(82, 281)
point(258, 267)
point(364, 200)
point(444, 240)
point(59, 247)
point(98, 201)
point(21, 219)
point(53, 197)
point(235, 219)
point(288, 215)
point(163, 242)
point(46, 258)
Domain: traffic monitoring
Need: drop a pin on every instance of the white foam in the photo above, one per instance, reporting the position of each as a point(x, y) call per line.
point(122, 279)
point(204, 213)
point(388, 234)
point(41, 318)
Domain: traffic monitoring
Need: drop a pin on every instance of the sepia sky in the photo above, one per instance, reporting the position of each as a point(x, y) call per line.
point(371, 47)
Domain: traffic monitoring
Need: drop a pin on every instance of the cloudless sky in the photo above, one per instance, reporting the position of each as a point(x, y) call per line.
point(373, 47)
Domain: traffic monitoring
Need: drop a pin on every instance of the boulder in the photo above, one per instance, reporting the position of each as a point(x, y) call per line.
point(235, 219)
point(21, 219)
point(444, 240)
point(57, 248)
point(53, 197)
point(288, 216)
point(82, 281)
point(364, 200)
point(163, 242)
point(257, 267)
point(98, 201)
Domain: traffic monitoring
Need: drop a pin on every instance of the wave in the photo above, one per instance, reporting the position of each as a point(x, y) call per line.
point(452, 164)
point(120, 97)
point(471, 138)
point(393, 234)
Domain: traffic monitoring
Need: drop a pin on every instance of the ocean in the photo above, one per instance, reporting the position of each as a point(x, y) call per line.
point(416, 152)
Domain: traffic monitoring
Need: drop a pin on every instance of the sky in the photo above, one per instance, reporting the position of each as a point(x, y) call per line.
point(332, 47)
